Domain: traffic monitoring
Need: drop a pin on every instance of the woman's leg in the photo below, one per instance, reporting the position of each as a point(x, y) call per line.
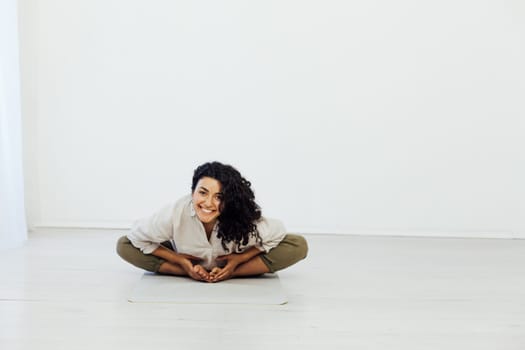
point(292, 249)
point(136, 257)
point(152, 263)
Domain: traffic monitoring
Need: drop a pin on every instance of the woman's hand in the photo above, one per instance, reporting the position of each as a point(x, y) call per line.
point(232, 261)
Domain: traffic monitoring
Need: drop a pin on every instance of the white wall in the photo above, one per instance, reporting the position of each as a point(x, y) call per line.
point(348, 117)
point(13, 229)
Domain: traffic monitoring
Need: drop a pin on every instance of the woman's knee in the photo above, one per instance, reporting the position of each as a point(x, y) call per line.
point(125, 248)
point(127, 251)
point(300, 244)
point(291, 250)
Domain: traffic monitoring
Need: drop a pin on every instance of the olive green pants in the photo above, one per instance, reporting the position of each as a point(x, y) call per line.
point(291, 249)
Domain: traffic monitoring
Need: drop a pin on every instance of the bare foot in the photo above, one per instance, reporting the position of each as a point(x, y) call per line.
point(201, 271)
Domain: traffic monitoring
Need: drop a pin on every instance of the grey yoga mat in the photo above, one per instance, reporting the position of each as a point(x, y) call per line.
point(262, 290)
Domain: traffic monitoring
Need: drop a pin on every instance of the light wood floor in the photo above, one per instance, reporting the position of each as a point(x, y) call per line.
point(68, 290)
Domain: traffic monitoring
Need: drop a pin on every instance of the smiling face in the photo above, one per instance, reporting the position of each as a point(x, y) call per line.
point(207, 199)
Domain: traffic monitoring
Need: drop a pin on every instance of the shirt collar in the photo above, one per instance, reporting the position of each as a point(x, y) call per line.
point(192, 209)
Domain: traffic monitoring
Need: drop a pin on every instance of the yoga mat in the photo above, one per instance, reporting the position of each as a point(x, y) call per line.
point(262, 290)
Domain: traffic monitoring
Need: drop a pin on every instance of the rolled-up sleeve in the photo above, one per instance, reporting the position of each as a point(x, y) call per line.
point(147, 234)
point(272, 232)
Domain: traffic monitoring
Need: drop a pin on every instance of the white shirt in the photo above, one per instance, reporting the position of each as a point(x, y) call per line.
point(179, 224)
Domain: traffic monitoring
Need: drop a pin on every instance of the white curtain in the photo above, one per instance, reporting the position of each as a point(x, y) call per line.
point(13, 229)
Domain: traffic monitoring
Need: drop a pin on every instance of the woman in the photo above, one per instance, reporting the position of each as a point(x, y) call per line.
point(214, 234)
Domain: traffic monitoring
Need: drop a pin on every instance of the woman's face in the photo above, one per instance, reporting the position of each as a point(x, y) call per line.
point(207, 199)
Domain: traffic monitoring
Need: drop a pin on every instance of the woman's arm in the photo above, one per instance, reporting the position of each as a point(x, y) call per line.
point(148, 233)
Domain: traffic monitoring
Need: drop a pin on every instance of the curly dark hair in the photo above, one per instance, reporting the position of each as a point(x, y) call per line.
point(238, 209)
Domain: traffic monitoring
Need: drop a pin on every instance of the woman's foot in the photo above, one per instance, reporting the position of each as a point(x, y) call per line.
point(201, 272)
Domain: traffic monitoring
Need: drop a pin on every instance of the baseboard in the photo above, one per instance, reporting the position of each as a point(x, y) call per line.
point(421, 233)
point(81, 226)
point(308, 231)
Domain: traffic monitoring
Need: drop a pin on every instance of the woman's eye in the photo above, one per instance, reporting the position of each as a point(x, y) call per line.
point(202, 193)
